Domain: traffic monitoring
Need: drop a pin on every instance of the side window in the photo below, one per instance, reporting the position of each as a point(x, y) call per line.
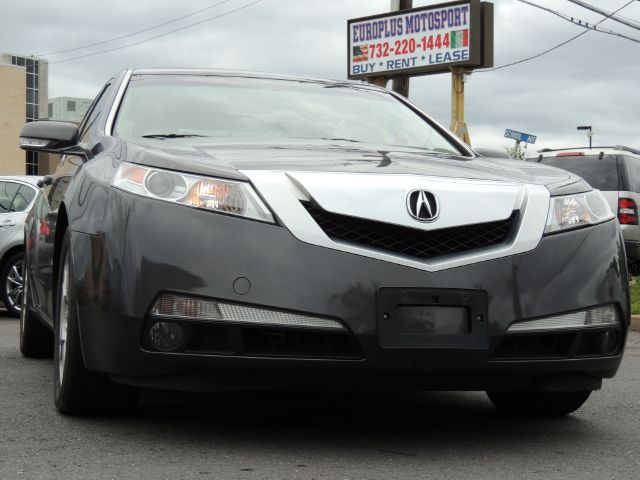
point(23, 198)
point(93, 114)
point(633, 172)
point(8, 191)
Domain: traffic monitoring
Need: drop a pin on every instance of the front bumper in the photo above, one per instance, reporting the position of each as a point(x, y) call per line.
point(151, 247)
point(633, 251)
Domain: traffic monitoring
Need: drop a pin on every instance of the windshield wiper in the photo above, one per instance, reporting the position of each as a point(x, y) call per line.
point(341, 139)
point(171, 135)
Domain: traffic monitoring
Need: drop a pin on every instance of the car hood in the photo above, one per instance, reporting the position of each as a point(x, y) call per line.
point(367, 182)
point(230, 160)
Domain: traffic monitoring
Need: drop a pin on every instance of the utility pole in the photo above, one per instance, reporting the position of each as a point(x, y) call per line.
point(459, 77)
point(589, 132)
point(401, 85)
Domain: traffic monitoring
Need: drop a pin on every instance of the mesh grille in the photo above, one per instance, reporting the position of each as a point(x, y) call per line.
point(411, 242)
point(577, 344)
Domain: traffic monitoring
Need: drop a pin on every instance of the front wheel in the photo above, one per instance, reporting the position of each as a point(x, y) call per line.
point(36, 339)
point(78, 391)
point(542, 404)
point(12, 283)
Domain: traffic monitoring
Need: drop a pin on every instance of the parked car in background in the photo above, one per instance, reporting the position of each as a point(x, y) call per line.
point(491, 152)
point(615, 171)
point(230, 230)
point(17, 195)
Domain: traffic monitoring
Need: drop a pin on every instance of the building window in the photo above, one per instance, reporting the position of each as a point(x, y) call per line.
point(32, 163)
point(32, 112)
point(71, 106)
point(32, 104)
point(50, 110)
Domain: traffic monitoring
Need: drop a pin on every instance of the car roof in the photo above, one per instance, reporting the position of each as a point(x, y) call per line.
point(30, 179)
point(249, 74)
point(614, 150)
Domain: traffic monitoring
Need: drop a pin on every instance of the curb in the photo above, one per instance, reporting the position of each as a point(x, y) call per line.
point(635, 323)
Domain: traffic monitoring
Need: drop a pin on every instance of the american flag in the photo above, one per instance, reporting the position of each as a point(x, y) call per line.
point(361, 53)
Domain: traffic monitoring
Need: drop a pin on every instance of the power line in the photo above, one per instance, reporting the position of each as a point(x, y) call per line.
point(635, 22)
point(557, 46)
point(134, 33)
point(603, 12)
point(159, 35)
point(580, 23)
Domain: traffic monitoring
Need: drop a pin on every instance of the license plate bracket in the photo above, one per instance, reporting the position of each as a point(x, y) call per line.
point(432, 318)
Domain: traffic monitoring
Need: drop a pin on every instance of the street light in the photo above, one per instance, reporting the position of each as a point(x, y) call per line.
point(589, 132)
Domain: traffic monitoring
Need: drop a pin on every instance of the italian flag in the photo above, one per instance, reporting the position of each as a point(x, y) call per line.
point(460, 38)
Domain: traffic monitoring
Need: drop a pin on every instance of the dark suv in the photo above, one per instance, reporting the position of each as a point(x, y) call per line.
point(615, 171)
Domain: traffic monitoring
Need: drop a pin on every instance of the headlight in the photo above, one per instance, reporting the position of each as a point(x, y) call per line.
point(575, 211)
point(216, 194)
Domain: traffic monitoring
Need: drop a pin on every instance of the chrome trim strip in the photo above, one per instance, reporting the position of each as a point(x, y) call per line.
point(171, 306)
point(493, 201)
point(115, 106)
point(605, 316)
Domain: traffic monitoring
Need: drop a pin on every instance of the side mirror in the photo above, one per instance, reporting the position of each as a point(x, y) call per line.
point(50, 136)
point(44, 181)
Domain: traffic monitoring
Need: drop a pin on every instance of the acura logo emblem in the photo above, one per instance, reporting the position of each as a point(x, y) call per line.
point(422, 205)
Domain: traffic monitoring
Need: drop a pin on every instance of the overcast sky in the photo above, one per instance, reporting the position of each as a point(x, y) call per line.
point(593, 80)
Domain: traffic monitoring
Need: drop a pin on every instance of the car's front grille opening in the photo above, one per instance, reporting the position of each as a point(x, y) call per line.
point(273, 342)
point(412, 242)
point(550, 345)
point(268, 341)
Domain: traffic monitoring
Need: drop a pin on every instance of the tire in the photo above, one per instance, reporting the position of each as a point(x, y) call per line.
point(541, 404)
point(36, 339)
point(12, 283)
point(78, 391)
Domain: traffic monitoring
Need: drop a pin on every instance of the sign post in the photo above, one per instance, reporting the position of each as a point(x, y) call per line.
point(401, 84)
point(451, 37)
point(458, 126)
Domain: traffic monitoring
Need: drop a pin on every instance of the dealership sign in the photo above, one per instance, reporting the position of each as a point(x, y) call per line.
point(422, 40)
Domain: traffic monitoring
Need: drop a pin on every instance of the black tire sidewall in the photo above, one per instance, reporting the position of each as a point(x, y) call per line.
point(538, 403)
point(36, 339)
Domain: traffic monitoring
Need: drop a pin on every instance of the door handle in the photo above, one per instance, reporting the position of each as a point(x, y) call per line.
point(7, 223)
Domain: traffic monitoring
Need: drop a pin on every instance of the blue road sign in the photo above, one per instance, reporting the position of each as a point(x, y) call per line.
point(519, 136)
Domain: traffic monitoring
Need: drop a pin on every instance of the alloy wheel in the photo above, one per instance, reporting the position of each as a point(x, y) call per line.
point(63, 320)
point(14, 283)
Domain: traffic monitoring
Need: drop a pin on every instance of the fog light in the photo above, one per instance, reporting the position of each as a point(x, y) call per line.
point(166, 336)
point(610, 342)
point(170, 305)
point(605, 316)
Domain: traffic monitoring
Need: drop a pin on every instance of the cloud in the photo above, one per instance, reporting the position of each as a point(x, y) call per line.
point(592, 80)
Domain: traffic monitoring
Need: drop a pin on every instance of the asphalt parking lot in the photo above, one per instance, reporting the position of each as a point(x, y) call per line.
point(329, 436)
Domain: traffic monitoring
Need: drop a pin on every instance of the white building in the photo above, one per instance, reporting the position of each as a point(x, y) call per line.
point(68, 109)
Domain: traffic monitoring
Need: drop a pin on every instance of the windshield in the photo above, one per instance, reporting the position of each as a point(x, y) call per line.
point(231, 109)
point(599, 173)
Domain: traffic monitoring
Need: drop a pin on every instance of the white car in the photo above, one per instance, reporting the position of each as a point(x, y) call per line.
point(17, 194)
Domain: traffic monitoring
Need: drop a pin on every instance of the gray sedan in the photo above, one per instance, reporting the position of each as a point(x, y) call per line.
point(16, 197)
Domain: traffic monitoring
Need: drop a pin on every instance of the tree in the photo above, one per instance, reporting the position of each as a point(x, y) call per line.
point(518, 151)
